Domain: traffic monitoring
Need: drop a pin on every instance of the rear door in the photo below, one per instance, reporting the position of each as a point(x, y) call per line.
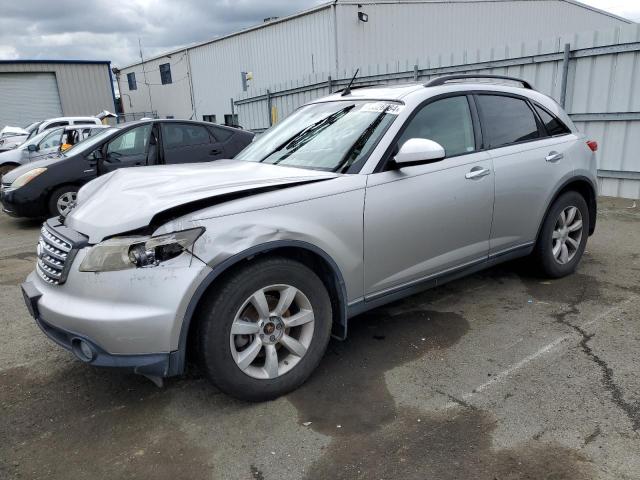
point(129, 149)
point(189, 143)
point(528, 162)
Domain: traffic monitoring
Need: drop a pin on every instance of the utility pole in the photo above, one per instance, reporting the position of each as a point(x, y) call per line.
point(144, 74)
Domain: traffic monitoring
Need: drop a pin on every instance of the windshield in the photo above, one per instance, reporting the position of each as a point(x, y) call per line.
point(329, 136)
point(91, 142)
point(35, 139)
point(34, 130)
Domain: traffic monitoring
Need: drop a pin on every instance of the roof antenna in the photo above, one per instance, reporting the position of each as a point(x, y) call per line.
point(347, 90)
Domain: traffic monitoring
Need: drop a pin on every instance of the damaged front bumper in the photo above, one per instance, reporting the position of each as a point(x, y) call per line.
point(129, 319)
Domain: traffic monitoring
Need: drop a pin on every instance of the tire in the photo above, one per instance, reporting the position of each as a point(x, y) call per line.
point(549, 254)
point(223, 352)
point(4, 169)
point(62, 196)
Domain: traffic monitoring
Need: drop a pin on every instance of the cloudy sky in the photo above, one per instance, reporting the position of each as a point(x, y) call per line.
point(109, 29)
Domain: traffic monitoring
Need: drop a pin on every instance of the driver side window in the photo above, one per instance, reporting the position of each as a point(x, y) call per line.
point(448, 122)
point(133, 142)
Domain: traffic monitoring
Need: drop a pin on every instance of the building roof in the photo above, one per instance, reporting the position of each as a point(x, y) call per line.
point(82, 62)
point(325, 5)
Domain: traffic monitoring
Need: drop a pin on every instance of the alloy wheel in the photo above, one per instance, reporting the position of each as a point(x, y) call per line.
point(272, 331)
point(66, 202)
point(567, 235)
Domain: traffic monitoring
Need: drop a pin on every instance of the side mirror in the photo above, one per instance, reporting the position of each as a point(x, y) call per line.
point(32, 148)
point(97, 154)
point(416, 151)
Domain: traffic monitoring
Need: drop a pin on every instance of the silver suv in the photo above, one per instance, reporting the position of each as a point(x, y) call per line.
point(355, 200)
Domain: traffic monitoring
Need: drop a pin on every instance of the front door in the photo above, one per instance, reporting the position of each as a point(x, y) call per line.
point(130, 149)
point(424, 220)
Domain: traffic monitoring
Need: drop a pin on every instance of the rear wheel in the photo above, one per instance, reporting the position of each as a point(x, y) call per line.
point(265, 330)
point(63, 200)
point(563, 236)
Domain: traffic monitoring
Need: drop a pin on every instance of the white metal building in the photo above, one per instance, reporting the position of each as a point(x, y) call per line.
point(33, 90)
point(333, 40)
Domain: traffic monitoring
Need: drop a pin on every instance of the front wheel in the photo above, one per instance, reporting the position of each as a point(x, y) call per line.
point(63, 200)
point(265, 330)
point(563, 237)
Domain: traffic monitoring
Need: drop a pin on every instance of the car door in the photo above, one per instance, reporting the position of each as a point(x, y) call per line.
point(129, 149)
point(189, 143)
point(49, 144)
point(528, 164)
point(423, 220)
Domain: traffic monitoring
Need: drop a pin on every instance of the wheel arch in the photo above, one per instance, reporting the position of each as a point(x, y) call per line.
point(585, 187)
point(310, 255)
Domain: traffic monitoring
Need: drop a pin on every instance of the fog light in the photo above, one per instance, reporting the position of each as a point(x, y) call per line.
point(83, 350)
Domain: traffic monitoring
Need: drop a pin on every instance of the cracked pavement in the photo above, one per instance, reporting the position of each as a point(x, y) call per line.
point(499, 375)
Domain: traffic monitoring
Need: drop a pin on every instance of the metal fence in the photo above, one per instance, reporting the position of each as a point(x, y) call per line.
point(594, 75)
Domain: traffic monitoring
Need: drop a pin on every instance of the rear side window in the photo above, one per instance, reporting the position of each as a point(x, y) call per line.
point(183, 135)
point(58, 124)
point(84, 122)
point(506, 120)
point(552, 124)
point(448, 122)
point(221, 134)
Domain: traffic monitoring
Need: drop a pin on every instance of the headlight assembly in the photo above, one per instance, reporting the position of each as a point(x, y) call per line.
point(25, 178)
point(121, 253)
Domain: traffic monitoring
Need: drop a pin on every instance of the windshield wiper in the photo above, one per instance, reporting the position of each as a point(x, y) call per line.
point(299, 139)
point(356, 148)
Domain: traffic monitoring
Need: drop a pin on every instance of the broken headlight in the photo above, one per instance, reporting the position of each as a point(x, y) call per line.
point(121, 253)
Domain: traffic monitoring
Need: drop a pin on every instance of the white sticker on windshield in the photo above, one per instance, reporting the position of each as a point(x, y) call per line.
point(392, 108)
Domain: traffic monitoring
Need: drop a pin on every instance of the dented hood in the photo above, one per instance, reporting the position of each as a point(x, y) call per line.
point(129, 198)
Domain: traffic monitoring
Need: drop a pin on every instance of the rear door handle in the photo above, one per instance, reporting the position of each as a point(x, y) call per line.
point(477, 172)
point(554, 157)
point(215, 151)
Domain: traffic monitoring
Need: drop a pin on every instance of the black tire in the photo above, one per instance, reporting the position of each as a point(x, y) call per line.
point(218, 313)
point(4, 169)
point(53, 199)
point(543, 253)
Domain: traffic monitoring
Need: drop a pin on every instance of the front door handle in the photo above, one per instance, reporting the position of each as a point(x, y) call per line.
point(477, 172)
point(554, 157)
point(215, 151)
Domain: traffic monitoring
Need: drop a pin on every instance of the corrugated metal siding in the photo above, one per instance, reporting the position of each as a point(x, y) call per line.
point(27, 97)
point(411, 32)
point(275, 54)
point(84, 89)
point(172, 99)
point(603, 83)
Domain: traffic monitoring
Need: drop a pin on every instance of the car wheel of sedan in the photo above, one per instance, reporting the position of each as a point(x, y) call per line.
point(63, 200)
point(266, 329)
point(563, 236)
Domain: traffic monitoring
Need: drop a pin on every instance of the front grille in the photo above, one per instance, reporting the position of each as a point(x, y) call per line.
point(56, 252)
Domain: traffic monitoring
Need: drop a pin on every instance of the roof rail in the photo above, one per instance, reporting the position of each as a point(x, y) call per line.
point(449, 78)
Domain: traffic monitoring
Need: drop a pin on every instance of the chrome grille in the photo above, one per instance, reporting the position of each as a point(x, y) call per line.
point(53, 252)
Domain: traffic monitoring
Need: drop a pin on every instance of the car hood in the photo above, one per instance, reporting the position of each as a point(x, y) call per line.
point(129, 198)
point(16, 172)
point(14, 130)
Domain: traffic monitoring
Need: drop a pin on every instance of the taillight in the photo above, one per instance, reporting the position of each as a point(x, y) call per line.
point(593, 145)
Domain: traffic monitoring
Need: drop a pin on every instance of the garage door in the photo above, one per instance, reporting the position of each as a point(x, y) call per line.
point(27, 98)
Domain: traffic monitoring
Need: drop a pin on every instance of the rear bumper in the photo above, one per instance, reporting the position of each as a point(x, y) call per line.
point(149, 364)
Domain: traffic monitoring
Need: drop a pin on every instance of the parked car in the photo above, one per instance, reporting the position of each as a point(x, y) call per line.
point(49, 186)
point(40, 127)
point(48, 142)
point(355, 200)
point(11, 137)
